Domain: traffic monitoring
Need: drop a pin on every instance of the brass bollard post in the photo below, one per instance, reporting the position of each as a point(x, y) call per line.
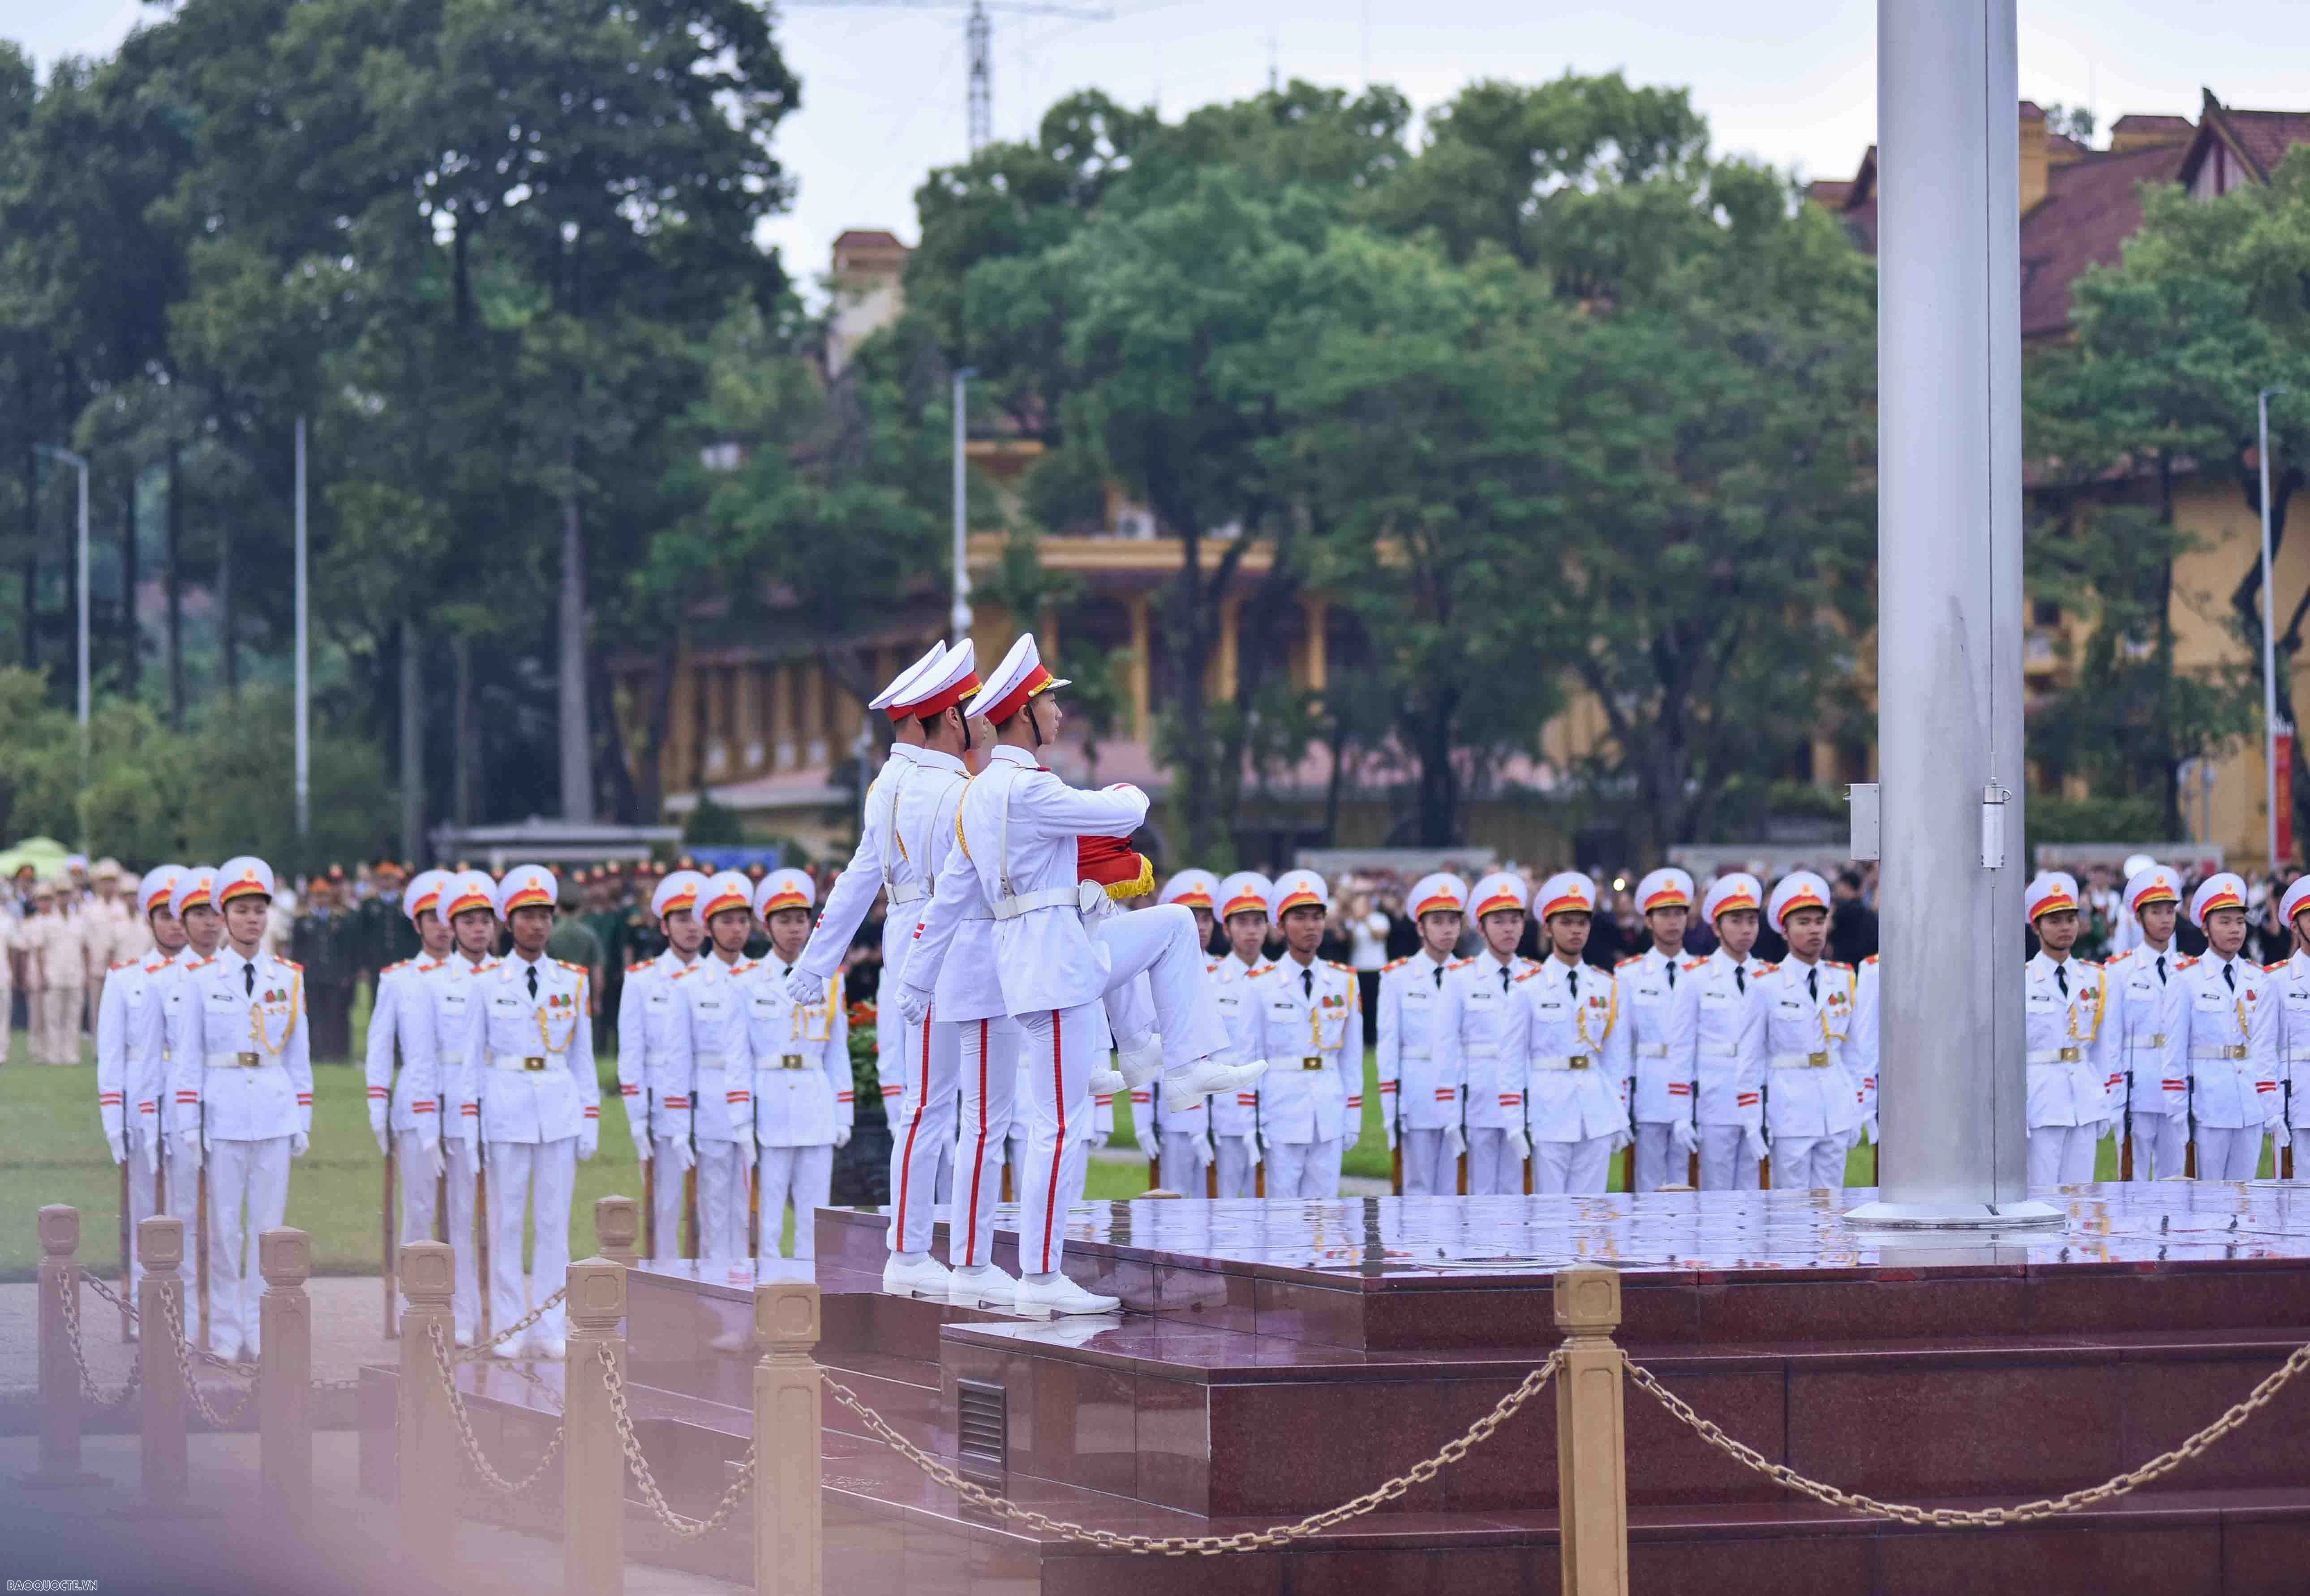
point(60, 1416)
point(167, 1463)
point(284, 1376)
point(1592, 1476)
point(429, 1464)
point(593, 1462)
point(617, 1223)
point(789, 1528)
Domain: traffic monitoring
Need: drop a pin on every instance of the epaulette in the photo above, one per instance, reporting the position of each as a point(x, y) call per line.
point(1212, 966)
point(1625, 963)
point(739, 969)
point(2185, 961)
point(1461, 964)
point(1529, 974)
point(1694, 964)
point(2088, 963)
point(2121, 957)
point(2268, 969)
point(1832, 964)
point(1767, 969)
point(575, 969)
point(1336, 965)
point(294, 965)
point(396, 964)
point(1871, 959)
point(1257, 970)
point(121, 964)
point(202, 963)
point(686, 970)
point(1395, 964)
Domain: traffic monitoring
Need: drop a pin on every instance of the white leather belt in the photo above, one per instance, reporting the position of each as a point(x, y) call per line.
point(237, 1060)
point(2297, 1055)
point(706, 1061)
point(1562, 1060)
point(520, 1064)
point(1482, 1050)
point(1652, 1050)
point(2157, 1039)
point(1403, 1053)
point(2055, 1055)
point(1800, 1060)
point(2234, 1050)
point(901, 892)
point(1027, 902)
point(1720, 1049)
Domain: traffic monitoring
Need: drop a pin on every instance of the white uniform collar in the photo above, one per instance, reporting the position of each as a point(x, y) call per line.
point(1014, 755)
point(1724, 957)
point(934, 759)
point(1431, 961)
point(1241, 967)
point(229, 957)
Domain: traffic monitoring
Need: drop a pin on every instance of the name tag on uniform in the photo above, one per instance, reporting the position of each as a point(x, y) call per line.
point(1419, 992)
point(658, 1000)
point(1718, 997)
point(1283, 1006)
point(1548, 1005)
point(1788, 1005)
point(1226, 1000)
point(1482, 994)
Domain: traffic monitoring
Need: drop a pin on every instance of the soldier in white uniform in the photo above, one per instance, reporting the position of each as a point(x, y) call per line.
point(2291, 1024)
point(1060, 949)
point(240, 1066)
point(1234, 1115)
point(132, 1051)
point(804, 1102)
point(1419, 1107)
point(1863, 1054)
point(1311, 1029)
point(1663, 1081)
point(2068, 1039)
point(1179, 1132)
point(904, 839)
point(2148, 1071)
point(1468, 1039)
point(1713, 1023)
point(1811, 1101)
point(714, 1056)
point(468, 903)
point(653, 1038)
point(532, 1053)
point(192, 901)
point(2232, 1006)
point(1566, 1036)
point(406, 1113)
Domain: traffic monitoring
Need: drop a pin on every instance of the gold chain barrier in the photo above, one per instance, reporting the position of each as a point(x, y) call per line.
point(742, 1485)
point(1981, 1518)
point(471, 1443)
point(1181, 1546)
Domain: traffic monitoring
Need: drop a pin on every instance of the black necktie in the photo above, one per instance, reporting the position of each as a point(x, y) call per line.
point(1572, 982)
point(533, 983)
point(2062, 979)
point(1307, 981)
point(1439, 977)
point(2161, 969)
point(248, 979)
point(1812, 984)
point(1741, 979)
point(1671, 974)
point(2229, 976)
point(1504, 977)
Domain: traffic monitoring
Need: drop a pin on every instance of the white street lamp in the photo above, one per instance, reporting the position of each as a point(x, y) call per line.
point(80, 464)
point(2269, 646)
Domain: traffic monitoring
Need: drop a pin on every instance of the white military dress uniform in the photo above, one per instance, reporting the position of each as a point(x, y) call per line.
point(1468, 1045)
point(1182, 1136)
point(1310, 1027)
point(1234, 1115)
point(1662, 1102)
point(653, 1043)
point(2068, 1049)
point(131, 1063)
point(2232, 1006)
point(1863, 1050)
point(180, 1169)
point(2290, 1032)
point(1714, 1023)
point(904, 837)
point(455, 990)
point(2145, 1021)
point(1565, 1036)
point(240, 1066)
point(533, 1052)
point(718, 1063)
point(1418, 1104)
point(804, 1102)
point(1811, 1101)
point(408, 1107)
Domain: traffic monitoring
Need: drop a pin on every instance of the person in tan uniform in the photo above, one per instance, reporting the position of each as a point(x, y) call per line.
point(103, 923)
point(52, 978)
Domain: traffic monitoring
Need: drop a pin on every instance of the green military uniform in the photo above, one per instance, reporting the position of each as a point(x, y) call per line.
point(327, 941)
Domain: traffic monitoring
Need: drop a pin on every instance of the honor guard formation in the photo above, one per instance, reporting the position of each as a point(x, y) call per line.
point(1031, 970)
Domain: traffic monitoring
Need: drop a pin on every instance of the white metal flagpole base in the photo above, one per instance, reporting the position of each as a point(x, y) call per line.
point(2029, 1214)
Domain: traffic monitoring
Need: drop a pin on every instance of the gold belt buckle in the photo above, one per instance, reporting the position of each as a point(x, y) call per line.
point(2157, 1039)
point(247, 1061)
point(532, 1063)
point(1817, 1060)
point(1577, 1061)
point(2235, 1052)
point(790, 1061)
point(2071, 1055)
point(1312, 1062)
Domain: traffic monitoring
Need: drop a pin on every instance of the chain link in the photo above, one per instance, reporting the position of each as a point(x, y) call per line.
point(1950, 1518)
point(688, 1529)
point(89, 1392)
point(1180, 1546)
point(465, 1425)
point(173, 1311)
point(488, 1348)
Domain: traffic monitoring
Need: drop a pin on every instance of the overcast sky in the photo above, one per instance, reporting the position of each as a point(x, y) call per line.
point(1792, 82)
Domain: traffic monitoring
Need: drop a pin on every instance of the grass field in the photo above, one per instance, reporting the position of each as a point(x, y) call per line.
point(52, 1151)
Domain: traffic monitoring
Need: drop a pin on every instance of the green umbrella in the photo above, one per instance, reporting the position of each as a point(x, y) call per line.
point(44, 855)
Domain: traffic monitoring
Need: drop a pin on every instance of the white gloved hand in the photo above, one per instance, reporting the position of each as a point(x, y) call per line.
point(436, 1159)
point(642, 1147)
point(1685, 1134)
point(376, 1115)
point(298, 1142)
point(118, 1142)
point(589, 1137)
point(1755, 1143)
point(1455, 1139)
point(805, 988)
point(914, 1004)
point(384, 1140)
point(1519, 1142)
point(684, 1154)
point(188, 1148)
point(1622, 1138)
point(1264, 1139)
point(842, 1135)
point(1387, 1126)
point(1203, 1150)
point(1251, 1146)
point(1870, 1134)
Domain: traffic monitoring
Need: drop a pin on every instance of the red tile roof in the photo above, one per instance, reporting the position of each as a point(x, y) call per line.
point(2092, 205)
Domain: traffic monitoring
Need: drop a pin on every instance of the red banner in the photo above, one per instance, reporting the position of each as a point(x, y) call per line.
point(2285, 774)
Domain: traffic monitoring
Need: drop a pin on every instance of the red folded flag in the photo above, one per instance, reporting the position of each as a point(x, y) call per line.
point(1114, 864)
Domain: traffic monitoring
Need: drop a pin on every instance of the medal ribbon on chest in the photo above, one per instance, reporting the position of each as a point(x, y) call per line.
point(256, 1032)
point(545, 1024)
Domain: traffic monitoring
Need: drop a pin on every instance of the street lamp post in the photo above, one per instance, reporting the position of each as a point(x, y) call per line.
point(304, 659)
point(960, 616)
point(80, 464)
point(2268, 644)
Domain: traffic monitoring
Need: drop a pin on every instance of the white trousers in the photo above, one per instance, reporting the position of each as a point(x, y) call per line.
point(1014, 1154)
point(248, 1194)
point(988, 1062)
point(1724, 1166)
point(2301, 1155)
point(929, 1059)
point(465, 1160)
point(7, 1014)
point(803, 1176)
point(144, 1203)
point(1055, 1045)
point(1160, 945)
point(1493, 1170)
point(55, 1013)
point(2158, 1143)
point(2227, 1154)
point(2061, 1155)
point(1304, 1168)
point(1817, 1163)
point(722, 1198)
point(1182, 1166)
point(1659, 1161)
point(666, 1186)
point(526, 1178)
point(1579, 1167)
point(1238, 1172)
point(420, 1203)
point(1429, 1170)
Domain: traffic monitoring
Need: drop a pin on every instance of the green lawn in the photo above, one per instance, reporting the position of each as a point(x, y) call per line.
point(51, 1152)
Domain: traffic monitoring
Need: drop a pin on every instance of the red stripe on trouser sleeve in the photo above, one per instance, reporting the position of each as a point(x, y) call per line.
point(914, 1124)
point(1059, 1151)
point(979, 1161)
